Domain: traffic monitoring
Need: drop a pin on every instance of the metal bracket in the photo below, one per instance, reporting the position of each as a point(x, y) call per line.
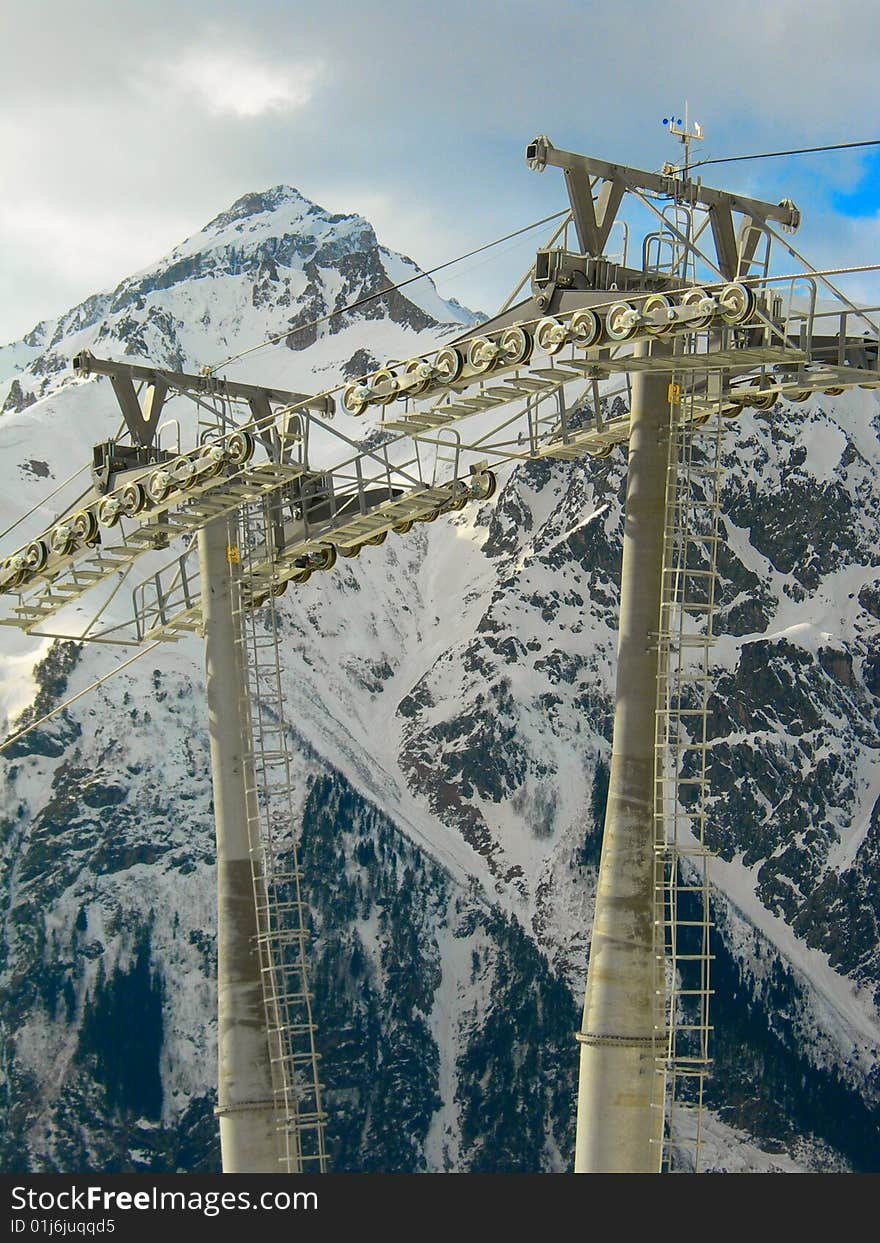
point(141, 421)
point(594, 218)
point(626, 1042)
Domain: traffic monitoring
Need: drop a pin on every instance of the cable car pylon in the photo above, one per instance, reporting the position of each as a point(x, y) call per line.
point(691, 338)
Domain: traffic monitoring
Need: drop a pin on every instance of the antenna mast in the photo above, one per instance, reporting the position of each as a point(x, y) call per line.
point(685, 135)
point(689, 355)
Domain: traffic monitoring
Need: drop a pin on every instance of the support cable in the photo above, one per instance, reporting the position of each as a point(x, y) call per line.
point(67, 703)
point(55, 491)
point(43, 499)
point(771, 155)
point(353, 306)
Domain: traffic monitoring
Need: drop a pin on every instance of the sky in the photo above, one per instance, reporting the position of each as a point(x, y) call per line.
point(127, 126)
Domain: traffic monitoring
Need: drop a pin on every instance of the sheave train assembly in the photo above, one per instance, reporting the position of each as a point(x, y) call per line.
point(272, 492)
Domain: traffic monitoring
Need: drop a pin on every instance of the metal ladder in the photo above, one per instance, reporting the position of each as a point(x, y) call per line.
point(282, 931)
point(682, 917)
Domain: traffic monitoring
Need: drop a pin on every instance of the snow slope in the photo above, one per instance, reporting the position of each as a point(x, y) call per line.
point(449, 697)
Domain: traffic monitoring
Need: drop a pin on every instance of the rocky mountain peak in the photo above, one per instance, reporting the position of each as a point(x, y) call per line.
point(449, 696)
point(268, 267)
point(256, 203)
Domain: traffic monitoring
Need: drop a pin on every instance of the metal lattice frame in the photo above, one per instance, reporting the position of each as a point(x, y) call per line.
point(682, 892)
point(525, 385)
point(282, 914)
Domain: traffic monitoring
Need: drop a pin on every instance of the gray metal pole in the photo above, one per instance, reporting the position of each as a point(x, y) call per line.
point(245, 1104)
point(619, 1119)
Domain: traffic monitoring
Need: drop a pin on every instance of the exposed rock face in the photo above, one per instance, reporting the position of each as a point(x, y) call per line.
point(269, 267)
point(449, 701)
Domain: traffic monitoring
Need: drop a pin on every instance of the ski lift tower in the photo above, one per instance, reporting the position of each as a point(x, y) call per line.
point(695, 337)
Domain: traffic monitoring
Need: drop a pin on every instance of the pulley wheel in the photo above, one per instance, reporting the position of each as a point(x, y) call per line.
point(216, 454)
point(459, 498)
point(240, 448)
point(159, 485)
point(109, 511)
point(551, 335)
point(383, 386)
point(36, 555)
point(621, 322)
point(693, 298)
point(325, 559)
point(85, 527)
point(15, 571)
point(516, 346)
point(421, 368)
point(736, 303)
point(133, 499)
point(585, 327)
point(764, 401)
point(484, 486)
point(354, 399)
point(448, 364)
point(183, 472)
point(61, 539)
point(482, 354)
point(656, 311)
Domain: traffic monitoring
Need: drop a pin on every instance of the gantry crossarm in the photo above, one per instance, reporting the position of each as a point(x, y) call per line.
point(594, 218)
point(533, 385)
point(142, 420)
point(305, 538)
point(541, 152)
point(314, 514)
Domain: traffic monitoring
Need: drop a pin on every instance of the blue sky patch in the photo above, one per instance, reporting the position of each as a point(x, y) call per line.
point(864, 198)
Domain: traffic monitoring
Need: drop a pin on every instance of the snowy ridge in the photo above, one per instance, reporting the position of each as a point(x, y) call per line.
point(273, 261)
point(449, 697)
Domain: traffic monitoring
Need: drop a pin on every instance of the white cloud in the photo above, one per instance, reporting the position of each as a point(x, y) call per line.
point(104, 140)
point(226, 84)
point(55, 257)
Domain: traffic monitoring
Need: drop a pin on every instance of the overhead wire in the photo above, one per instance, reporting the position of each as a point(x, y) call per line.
point(352, 306)
point(772, 155)
point(55, 492)
point(43, 500)
point(72, 700)
point(383, 293)
point(374, 297)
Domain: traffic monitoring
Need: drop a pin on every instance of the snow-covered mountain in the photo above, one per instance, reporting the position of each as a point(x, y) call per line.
point(449, 696)
point(271, 264)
